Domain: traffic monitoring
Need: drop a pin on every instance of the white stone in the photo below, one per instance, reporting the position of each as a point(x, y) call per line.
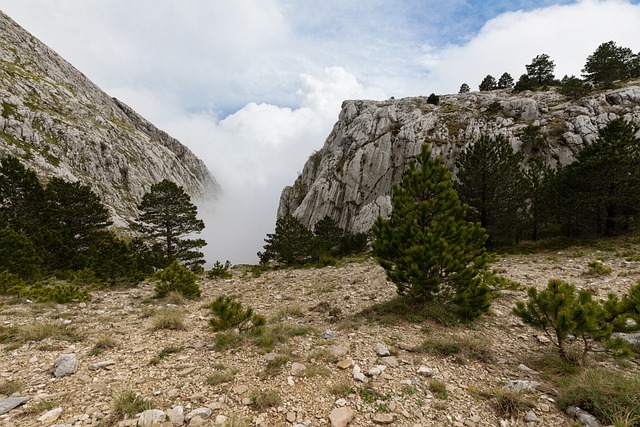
point(151, 417)
point(50, 416)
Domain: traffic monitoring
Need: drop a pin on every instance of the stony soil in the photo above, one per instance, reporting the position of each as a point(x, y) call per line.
point(314, 301)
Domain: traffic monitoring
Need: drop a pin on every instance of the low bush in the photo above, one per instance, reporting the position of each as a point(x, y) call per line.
point(229, 314)
point(569, 318)
point(457, 345)
point(177, 278)
point(220, 271)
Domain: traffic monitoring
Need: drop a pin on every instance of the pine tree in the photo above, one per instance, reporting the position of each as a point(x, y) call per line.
point(74, 211)
point(427, 247)
point(489, 181)
point(167, 217)
point(505, 81)
point(113, 261)
point(610, 63)
point(291, 244)
point(539, 181)
point(329, 236)
point(561, 314)
point(603, 185)
point(540, 70)
point(488, 83)
point(18, 254)
point(21, 197)
point(464, 88)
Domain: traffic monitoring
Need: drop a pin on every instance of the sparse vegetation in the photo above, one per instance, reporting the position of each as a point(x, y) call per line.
point(128, 403)
point(460, 346)
point(8, 387)
point(104, 342)
point(609, 395)
point(509, 402)
point(341, 389)
point(164, 353)
point(39, 331)
point(169, 319)
point(220, 377)
point(438, 388)
point(265, 399)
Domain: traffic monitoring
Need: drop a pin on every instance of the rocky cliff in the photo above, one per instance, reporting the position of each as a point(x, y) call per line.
point(61, 124)
point(350, 178)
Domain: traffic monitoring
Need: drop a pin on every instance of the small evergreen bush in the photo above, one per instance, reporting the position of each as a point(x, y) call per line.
point(177, 278)
point(566, 316)
point(60, 293)
point(220, 271)
point(11, 284)
point(229, 314)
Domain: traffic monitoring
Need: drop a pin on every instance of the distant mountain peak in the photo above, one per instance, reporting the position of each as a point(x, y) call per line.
point(59, 123)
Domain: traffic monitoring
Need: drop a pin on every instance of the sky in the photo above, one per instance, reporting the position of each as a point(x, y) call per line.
point(253, 87)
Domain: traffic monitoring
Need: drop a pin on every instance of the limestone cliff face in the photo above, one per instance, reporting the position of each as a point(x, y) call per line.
point(61, 124)
point(350, 178)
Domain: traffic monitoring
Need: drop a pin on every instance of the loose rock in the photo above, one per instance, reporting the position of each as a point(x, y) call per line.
point(65, 365)
point(340, 417)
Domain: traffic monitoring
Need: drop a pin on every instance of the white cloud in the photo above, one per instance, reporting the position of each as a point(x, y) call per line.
point(253, 87)
point(256, 152)
point(568, 34)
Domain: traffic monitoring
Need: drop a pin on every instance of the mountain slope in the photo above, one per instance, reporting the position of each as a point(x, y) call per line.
point(61, 124)
point(369, 147)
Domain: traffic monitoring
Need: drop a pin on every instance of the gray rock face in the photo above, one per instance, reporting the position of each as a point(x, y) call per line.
point(61, 124)
point(370, 146)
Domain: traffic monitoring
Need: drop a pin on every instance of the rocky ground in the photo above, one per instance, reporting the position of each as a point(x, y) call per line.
point(305, 376)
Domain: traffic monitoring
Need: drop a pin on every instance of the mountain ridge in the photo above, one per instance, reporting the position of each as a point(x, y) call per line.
point(59, 123)
point(351, 176)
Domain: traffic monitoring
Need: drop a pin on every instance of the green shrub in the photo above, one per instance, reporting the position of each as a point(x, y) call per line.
point(433, 99)
point(220, 271)
point(229, 314)
point(60, 293)
point(11, 284)
point(596, 268)
point(561, 314)
point(177, 278)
